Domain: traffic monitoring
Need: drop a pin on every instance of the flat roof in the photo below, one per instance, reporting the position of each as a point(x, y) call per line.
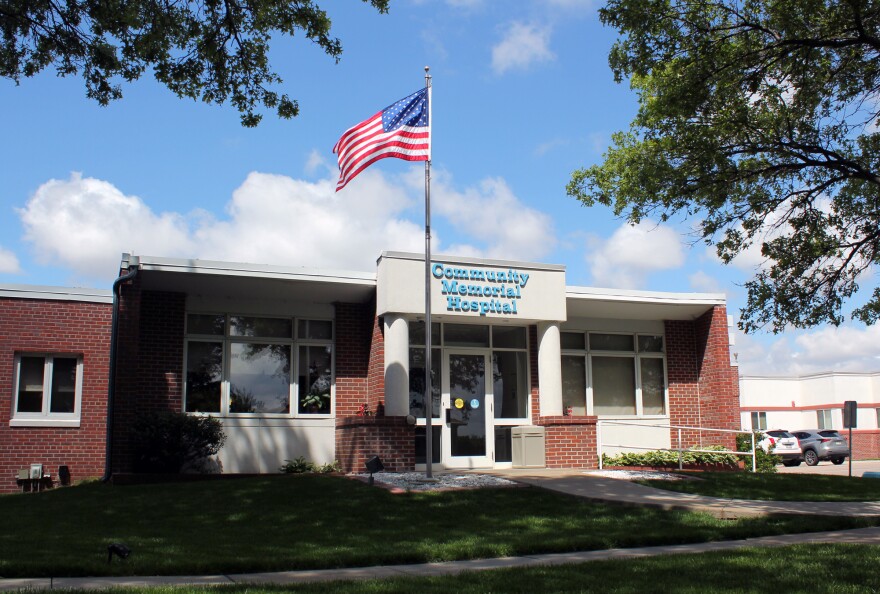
point(590, 302)
point(56, 293)
point(194, 276)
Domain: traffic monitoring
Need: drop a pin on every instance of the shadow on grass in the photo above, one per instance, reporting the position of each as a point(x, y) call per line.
point(282, 523)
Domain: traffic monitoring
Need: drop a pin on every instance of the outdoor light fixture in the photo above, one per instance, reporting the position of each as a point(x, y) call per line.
point(118, 549)
point(374, 464)
point(64, 475)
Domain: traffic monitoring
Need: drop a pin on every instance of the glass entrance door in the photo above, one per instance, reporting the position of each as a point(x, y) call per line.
point(467, 403)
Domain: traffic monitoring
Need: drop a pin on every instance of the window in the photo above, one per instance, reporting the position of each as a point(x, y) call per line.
point(252, 365)
point(48, 390)
point(759, 421)
point(613, 374)
point(823, 419)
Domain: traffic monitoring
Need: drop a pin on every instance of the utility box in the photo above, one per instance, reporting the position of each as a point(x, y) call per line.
point(527, 445)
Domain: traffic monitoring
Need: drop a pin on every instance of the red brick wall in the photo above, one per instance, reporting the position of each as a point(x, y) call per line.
point(51, 326)
point(355, 337)
point(570, 442)
point(719, 380)
point(149, 373)
point(360, 378)
point(703, 386)
point(683, 380)
point(361, 438)
point(865, 443)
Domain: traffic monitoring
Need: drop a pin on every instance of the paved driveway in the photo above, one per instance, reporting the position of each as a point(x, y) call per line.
point(858, 467)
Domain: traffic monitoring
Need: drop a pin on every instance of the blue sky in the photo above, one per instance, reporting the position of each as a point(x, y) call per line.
point(522, 96)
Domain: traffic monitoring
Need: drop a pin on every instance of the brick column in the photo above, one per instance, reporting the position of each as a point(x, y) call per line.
point(570, 442)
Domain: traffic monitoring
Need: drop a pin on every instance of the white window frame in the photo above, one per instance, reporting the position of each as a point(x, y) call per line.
point(824, 419)
point(45, 418)
point(294, 342)
point(636, 356)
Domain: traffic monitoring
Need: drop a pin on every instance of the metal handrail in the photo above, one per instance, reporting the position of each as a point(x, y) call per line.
point(679, 449)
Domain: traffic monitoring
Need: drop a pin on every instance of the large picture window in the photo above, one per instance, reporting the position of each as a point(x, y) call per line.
point(613, 374)
point(48, 389)
point(247, 365)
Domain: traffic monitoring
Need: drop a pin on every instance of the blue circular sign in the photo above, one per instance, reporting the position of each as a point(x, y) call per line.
point(475, 403)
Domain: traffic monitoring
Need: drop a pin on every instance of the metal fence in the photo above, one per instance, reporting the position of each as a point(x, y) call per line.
point(680, 449)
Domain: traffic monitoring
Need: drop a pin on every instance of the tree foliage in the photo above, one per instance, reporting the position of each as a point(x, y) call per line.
point(213, 50)
point(758, 119)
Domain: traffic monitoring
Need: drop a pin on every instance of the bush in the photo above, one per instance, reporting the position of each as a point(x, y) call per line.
point(667, 459)
point(764, 462)
point(301, 465)
point(169, 442)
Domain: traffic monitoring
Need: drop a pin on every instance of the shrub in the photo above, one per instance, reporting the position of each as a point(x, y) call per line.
point(764, 462)
point(666, 459)
point(301, 465)
point(169, 442)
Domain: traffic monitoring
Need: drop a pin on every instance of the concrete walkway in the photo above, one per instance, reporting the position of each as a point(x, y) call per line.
point(610, 490)
point(574, 482)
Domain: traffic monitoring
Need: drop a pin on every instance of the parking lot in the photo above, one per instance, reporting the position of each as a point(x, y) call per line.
point(858, 467)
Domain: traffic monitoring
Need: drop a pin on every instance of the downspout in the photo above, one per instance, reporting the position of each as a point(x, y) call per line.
point(111, 388)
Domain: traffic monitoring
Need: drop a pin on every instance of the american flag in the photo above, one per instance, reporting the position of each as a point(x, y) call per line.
point(400, 130)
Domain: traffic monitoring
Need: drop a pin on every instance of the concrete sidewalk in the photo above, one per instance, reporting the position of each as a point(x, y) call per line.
point(859, 536)
point(611, 490)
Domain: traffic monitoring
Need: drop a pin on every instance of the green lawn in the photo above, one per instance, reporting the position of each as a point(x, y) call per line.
point(297, 522)
point(775, 487)
point(818, 569)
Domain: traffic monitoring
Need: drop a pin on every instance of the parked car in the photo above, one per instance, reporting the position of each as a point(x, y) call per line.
point(783, 444)
point(822, 444)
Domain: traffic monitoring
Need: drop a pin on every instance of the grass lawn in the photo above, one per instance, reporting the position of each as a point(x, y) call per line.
point(775, 487)
point(803, 568)
point(298, 522)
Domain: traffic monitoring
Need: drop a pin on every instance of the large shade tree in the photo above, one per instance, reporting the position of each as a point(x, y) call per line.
point(212, 50)
point(758, 122)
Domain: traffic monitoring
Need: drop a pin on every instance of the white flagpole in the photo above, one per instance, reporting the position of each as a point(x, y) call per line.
point(428, 401)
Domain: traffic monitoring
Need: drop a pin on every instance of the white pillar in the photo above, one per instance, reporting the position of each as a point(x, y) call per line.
point(549, 369)
point(396, 365)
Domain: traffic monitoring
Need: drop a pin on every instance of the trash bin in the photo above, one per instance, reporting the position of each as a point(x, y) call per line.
point(527, 443)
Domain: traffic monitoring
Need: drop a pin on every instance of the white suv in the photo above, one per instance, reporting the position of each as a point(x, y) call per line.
point(783, 444)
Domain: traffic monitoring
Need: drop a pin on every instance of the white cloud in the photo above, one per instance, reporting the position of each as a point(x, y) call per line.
point(277, 219)
point(495, 218)
point(632, 253)
point(705, 283)
point(84, 224)
point(843, 348)
point(8, 262)
point(523, 46)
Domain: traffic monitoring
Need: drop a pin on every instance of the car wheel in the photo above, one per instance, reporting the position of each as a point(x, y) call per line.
point(811, 457)
point(791, 463)
point(837, 461)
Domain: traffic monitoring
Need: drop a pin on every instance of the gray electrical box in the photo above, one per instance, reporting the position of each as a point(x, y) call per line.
point(527, 445)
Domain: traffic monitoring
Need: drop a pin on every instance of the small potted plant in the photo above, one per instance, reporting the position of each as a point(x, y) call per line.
point(314, 402)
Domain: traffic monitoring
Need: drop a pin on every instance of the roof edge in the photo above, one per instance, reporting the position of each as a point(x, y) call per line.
point(56, 293)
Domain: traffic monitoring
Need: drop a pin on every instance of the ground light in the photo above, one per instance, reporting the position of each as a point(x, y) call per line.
point(374, 464)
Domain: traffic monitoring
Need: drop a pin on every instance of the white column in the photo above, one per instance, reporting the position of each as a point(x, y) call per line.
point(396, 365)
point(549, 369)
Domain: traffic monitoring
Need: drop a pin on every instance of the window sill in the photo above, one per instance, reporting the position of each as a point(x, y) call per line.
point(20, 422)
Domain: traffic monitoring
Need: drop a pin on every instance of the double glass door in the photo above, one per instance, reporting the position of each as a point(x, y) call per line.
point(467, 405)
